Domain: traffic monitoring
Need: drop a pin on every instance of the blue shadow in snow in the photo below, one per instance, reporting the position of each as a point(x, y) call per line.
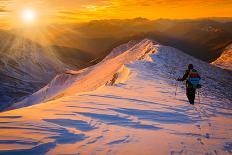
point(10, 117)
point(95, 140)
point(65, 114)
point(77, 124)
point(158, 116)
point(228, 147)
point(84, 107)
point(120, 141)
point(128, 99)
point(59, 136)
point(18, 142)
point(119, 121)
point(40, 149)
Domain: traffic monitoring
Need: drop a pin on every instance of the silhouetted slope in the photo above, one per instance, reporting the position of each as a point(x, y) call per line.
point(73, 57)
point(203, 39)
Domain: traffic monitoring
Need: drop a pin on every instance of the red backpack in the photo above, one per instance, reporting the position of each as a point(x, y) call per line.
point(194, 78)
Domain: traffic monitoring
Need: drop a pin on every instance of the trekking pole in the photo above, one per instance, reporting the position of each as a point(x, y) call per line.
point(199, 96)
point(176, 88)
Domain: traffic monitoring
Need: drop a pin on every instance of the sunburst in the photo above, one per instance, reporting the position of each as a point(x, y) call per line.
point(29, 15)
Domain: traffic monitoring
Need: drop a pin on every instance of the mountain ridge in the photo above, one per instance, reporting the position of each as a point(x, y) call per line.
point(72, 82)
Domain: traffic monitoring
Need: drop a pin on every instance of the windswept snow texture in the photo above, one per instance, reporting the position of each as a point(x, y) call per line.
point(225, 60)
point(140, 116)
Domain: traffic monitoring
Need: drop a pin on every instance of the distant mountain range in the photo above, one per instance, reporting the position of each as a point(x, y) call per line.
point(203, 38)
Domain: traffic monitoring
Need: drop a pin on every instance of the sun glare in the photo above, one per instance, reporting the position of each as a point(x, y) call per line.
point(28, 15)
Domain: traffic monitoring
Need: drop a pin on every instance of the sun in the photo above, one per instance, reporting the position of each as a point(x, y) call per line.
point(28, 15)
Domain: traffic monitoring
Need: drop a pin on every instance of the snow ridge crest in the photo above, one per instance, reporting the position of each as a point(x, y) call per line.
point(112, 70)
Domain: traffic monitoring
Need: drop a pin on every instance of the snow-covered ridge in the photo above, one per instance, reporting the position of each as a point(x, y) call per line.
point(110, 70)
point(225, 60)
point(113, 69)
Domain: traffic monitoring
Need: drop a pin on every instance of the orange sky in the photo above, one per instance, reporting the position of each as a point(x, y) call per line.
point(62, 11)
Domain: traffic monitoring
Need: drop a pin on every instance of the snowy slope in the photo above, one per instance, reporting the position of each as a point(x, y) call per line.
point(140, 115)
point(225, 60)
point(32, 61)
point(86, 80)
point(25, 67)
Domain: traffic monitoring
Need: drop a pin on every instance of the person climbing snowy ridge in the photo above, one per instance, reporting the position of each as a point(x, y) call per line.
point(192, 82)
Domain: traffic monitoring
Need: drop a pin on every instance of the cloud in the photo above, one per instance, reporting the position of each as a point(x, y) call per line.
point(170, 3)
point(3, 10)
point(106, 9)
point(5, 0)
point(84, 10)
point(4, 5)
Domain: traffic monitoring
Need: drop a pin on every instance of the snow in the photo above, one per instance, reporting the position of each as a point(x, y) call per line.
point(225, 60)
point(86, 80)
point(25, 67)
point(138, 113)
point(29, 62)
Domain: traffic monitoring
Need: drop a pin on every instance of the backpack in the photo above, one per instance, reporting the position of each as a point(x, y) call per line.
point(194, 78)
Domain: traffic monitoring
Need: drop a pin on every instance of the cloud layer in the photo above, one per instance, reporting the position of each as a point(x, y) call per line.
point(84, 10)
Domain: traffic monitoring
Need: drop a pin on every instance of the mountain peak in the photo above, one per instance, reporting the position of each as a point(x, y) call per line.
point(225, 60)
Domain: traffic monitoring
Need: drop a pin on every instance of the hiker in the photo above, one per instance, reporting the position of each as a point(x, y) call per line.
point(192, 82)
